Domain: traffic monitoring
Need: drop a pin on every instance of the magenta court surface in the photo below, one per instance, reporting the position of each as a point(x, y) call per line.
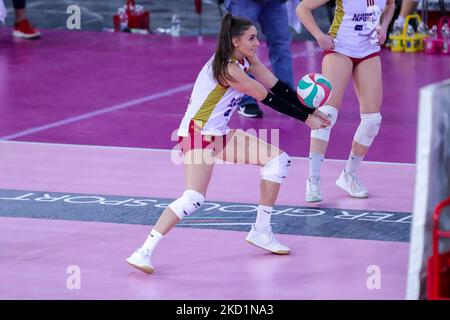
point(86, 124)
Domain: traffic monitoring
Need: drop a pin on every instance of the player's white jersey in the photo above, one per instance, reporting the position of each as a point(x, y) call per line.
point(211, 105)
point(353, 27)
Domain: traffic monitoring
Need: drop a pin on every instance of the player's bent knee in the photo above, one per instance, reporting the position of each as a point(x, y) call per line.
point(277, 168)
point(324, 134)
point(189, 202)
point(368, 128)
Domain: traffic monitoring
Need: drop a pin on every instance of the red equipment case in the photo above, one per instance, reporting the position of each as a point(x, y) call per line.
point(136, 19)
point(438, 279)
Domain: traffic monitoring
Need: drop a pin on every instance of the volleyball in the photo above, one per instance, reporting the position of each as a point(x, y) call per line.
point(314, 90)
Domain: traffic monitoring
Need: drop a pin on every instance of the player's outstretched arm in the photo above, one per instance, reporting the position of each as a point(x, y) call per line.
point(243, 83)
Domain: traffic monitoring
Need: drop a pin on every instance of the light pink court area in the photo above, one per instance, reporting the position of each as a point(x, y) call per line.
point(96, 118)
point(40, 258)
point(147, 172)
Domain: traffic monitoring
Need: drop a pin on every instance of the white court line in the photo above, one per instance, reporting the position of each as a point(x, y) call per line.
point(98, 112)
point(407, 164)
point(120, 106)
point(218, 224)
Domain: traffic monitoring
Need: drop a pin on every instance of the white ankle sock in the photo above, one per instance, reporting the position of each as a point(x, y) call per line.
point(263, 217)
point(152, 240)
point(353, 163)
point(315, 162)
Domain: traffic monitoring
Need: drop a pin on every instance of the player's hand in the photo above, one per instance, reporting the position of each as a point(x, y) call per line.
point(326, 42)
point(381, 34)
point(315, 122)
point(323, 116)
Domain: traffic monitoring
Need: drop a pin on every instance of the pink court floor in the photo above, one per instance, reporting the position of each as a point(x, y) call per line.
point(92, 114)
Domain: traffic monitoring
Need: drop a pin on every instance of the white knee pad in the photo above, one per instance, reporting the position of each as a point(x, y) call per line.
point(190, 201)
point(368, 128)
point(277, 168)
point(324, 134)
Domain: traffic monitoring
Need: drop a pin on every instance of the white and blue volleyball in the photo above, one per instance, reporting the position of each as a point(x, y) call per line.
point(314, 90)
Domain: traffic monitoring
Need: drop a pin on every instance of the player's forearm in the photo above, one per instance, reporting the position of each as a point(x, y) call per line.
point(284, 107)
point(288, 94)
point(305, 15)
point(408, 7)
point(263, 75)
point(387, 15)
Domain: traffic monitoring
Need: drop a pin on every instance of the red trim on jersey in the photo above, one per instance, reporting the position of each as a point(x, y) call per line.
point(196, 140)
point(355, 60)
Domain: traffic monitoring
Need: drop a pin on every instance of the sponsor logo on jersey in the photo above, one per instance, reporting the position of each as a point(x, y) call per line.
point(234, 103)
point(226, 114)
point(358, 17)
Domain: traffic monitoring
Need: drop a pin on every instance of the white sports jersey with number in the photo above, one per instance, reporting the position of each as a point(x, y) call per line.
point(353, 27)
point(211, 105)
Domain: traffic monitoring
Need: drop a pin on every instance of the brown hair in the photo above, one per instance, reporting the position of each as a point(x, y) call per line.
point(230, 27)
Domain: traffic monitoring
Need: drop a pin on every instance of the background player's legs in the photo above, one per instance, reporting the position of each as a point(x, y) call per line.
point(19, 8)
point(249, 9)
point(338, 69)
point(407, 7)
point(22, 27)
point(368, 84)
point(274, 24)
point(367, 81)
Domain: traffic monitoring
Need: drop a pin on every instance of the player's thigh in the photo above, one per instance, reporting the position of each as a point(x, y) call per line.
point(367, 81)
point(338, 69)
point(245, 148)
point(198, 169)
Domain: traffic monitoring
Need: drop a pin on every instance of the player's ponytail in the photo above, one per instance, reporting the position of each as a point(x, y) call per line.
point(230, 27)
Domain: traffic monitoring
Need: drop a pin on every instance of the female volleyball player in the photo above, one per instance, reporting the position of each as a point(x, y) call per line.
point(351, 49)
point(204, 135)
